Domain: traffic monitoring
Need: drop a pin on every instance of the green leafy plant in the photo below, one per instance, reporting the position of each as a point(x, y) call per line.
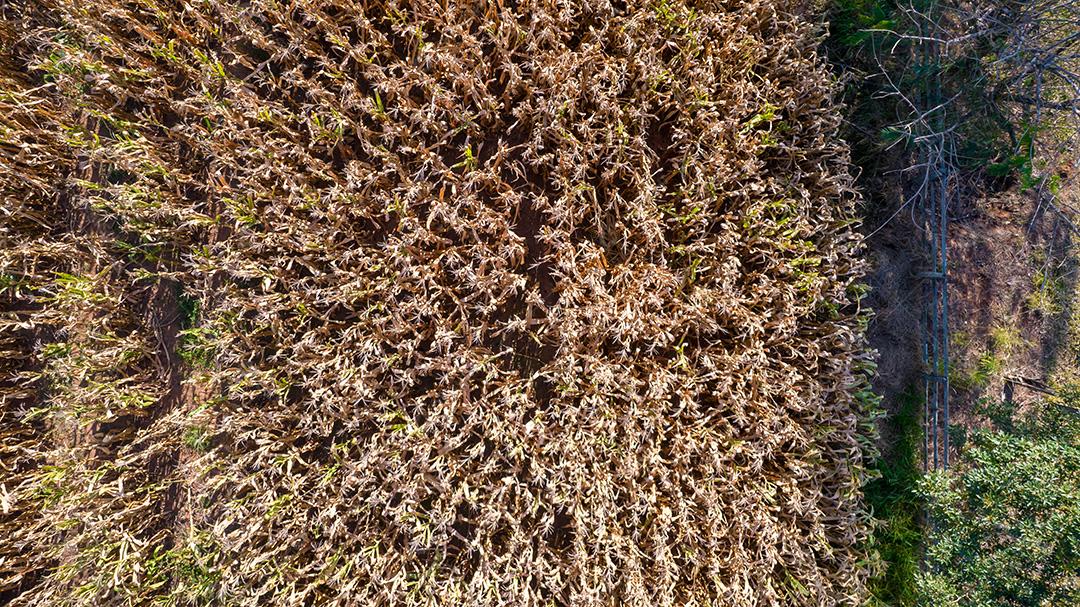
point(198, 438)
point(1006, 519)
point(196, 347)
point(187, 572)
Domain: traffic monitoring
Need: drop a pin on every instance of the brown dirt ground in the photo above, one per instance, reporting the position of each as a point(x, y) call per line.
point(1013, 306)
point(895, 300)
point(1014, 302)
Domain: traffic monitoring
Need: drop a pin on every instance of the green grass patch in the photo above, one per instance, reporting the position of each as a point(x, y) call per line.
point(893, 500)
point(978, 377)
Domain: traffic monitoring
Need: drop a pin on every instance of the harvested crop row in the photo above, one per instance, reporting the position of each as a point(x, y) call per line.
point(418, 303)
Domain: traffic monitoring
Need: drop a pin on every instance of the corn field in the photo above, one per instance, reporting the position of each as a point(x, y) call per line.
point(346, 302)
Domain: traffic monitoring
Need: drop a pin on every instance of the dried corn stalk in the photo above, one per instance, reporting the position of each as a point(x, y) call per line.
point(420, 303)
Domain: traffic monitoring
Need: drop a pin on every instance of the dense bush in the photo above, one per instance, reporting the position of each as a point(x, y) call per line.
point(417, 303)
point(1006, 525)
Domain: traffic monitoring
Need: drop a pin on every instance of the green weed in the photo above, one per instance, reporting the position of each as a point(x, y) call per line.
point(1004, 339)
point(892, 498)
point(978, 377)
point(189, 571)
point(197, 438)
point(196, 347)
point(189, 308)
point(1046, 294)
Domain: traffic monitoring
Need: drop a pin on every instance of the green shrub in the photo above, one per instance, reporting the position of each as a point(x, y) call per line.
point(1005, 521)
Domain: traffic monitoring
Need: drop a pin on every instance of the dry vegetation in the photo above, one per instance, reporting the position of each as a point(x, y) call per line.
point(362, 303)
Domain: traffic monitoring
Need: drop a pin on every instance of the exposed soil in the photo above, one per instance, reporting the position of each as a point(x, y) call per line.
point(1013, 295)
point(893, 330)
point(1013, 314)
